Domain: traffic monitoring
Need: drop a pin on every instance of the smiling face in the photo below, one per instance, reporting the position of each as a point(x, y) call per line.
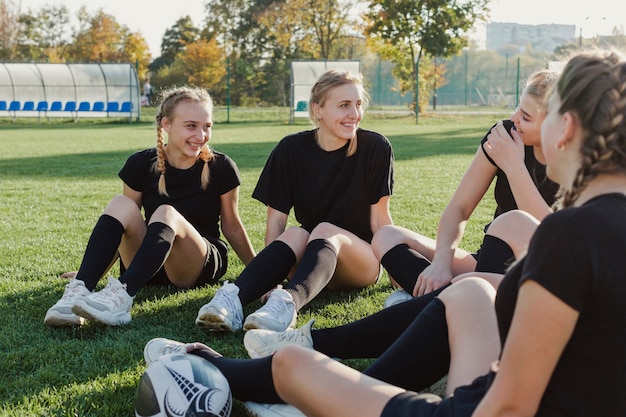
point(340, 113)
point(528, 117)
point(188, 131)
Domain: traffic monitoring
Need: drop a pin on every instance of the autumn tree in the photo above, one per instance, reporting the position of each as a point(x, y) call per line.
point(203, 63)
point(100, 38)
point(405, 31)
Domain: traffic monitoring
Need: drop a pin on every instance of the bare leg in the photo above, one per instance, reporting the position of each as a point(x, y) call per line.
point(390, 236)
point(322, 387)
point(472, 330)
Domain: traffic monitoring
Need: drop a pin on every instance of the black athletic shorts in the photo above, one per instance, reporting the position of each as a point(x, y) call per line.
point(215, 265)
point(461, 404)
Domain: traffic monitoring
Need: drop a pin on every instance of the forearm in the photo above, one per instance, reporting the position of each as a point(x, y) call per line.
point(526, 194)
point(238, 239)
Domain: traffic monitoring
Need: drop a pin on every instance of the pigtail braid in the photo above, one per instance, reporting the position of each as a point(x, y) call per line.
point(161, 157)
point(206, 154)
point(603, 149)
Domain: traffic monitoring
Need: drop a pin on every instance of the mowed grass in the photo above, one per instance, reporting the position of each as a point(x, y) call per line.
point(57, 177)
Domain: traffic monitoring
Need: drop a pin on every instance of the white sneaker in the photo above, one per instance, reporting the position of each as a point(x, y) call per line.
point(260, 343)
point(61, 313)
point(224, 312)
point(278, 313)
point(158, 347)
point(397, 297)
point(272, 410)
point(111, 305)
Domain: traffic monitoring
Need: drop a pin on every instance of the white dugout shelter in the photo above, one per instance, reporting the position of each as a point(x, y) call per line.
point(304, 74)
point(69, 90)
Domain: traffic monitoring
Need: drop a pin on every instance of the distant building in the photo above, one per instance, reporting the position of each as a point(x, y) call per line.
point(539, 37)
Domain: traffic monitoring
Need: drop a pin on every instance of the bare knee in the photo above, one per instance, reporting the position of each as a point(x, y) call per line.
point(515, 227)
point(287, 363)
point(124, 209)
point(386, 238)
point(296, 238)
point(466, 293)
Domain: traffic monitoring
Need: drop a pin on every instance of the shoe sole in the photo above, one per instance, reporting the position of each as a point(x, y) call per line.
point(61, 320)
point(113, 320)
point(213, 323)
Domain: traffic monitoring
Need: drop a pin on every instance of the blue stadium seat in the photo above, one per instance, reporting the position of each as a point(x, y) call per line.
point(127, 107)
point(113, 106)
point(15, 105)
point(301, 106)
point(70, 106)
point(56, 106)
point(98, 106)
point(84, 106)
point(3, 105)
point(29, 106)
point(42, 106)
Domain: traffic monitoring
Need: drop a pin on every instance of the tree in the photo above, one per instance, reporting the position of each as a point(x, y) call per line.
point(183, 32)
point(9, 15)
point(100, 38)
point(405, 31)
point(43, 35)
point(203, 63)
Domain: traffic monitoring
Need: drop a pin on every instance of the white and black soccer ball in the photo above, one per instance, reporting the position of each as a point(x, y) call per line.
point(183, 385)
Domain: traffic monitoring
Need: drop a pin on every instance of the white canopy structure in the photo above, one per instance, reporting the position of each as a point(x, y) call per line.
point(304, 74)
point(61, 90)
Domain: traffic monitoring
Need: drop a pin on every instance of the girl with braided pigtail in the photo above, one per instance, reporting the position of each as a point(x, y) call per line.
point(559, 310)
point(187, 192)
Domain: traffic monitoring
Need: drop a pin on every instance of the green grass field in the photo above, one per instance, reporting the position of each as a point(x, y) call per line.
point(55, 180)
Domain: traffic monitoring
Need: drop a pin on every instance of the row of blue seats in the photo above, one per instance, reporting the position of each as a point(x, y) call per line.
point(70, 106)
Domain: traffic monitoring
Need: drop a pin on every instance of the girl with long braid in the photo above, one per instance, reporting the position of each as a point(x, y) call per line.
point(187, 192)
point(560, 311)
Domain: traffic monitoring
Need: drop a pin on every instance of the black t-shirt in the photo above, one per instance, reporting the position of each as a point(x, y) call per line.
point(326, 186)
point(502, 191)
point(200, 207)
point(577, 254)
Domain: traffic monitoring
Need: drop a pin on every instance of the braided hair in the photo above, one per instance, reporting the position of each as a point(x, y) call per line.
point(170, 99)
point(593, 87)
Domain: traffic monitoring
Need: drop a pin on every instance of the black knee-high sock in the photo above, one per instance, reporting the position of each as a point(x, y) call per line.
point(313, 273)
point(249, 379)
point(268, 269)
point(404, 265)
point(101, 250)
point(150, 256)
point(371, 336)
point(421, 356)
point(495, 255)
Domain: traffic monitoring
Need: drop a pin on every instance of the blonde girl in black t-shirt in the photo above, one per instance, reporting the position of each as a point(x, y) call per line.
point(187, 191)
point(511, 154)
point(338, 179)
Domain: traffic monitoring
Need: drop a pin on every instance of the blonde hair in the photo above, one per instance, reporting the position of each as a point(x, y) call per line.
point(538, 85)
point(170, 100)
point(325, 83)
point(593, 88)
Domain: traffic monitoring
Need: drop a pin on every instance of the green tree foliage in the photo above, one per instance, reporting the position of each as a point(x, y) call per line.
point(43, 35)
point(405, 31)
point(182, 33)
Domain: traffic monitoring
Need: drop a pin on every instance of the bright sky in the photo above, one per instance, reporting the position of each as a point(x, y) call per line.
point(153, 17)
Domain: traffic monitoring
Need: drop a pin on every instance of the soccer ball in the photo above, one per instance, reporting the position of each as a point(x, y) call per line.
point(180, 385)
